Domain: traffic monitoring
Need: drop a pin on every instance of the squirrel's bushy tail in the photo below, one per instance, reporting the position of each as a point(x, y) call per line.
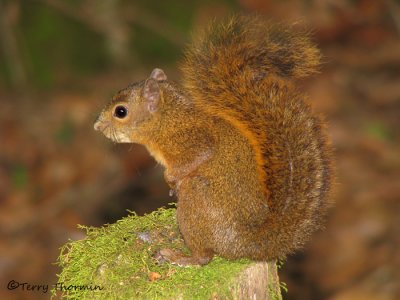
point(243, 71)
point(249, 42)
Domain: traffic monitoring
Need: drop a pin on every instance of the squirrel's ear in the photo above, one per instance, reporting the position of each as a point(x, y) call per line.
point(158, 74)
point(152, 93)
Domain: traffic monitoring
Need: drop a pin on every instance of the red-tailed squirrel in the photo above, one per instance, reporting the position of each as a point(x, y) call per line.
point(249, 161)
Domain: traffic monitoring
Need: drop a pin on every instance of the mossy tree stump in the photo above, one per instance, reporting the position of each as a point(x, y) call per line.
point(117, 262)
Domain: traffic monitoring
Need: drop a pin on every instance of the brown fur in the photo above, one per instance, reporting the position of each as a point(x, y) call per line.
point(248, 159)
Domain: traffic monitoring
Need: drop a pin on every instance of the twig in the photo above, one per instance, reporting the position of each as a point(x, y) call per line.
point(157, 25)
point(139, 17)
point(10, 45)
point(77, 14)
point(394, 11)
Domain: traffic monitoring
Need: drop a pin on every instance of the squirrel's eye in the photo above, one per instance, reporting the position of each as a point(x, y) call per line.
point(120, 112)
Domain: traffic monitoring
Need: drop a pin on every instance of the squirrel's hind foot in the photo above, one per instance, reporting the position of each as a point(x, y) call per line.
point(178, 258)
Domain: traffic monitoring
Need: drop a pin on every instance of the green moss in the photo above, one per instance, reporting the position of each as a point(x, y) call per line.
point(66, 132)
point(379, 131)
point(117, 260)
point(20, 176)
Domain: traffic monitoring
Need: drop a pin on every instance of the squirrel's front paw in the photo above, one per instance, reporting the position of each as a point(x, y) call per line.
point(173, 182)
point(170, 179)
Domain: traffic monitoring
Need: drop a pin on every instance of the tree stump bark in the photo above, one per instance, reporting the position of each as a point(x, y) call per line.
point(259, 281)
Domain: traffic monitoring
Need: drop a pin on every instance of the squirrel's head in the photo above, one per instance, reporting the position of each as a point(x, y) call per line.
point(134, 112)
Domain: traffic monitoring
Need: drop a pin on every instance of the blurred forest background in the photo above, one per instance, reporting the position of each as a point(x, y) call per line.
point(61, 61)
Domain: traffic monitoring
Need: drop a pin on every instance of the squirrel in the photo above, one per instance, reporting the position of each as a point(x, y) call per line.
point(249, 161)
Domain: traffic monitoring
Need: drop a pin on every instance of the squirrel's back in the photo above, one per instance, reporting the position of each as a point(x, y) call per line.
point(244, 71)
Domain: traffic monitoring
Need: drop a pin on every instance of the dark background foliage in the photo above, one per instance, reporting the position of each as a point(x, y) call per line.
point(61, 61)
